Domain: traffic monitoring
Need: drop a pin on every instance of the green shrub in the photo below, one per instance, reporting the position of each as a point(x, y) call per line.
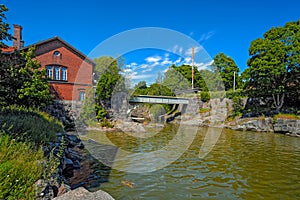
point(205, 96)
point(20, 168)
point(24, 124)
point(101, 113)
point(218, 95)
point(204, 110)
point(236, 93)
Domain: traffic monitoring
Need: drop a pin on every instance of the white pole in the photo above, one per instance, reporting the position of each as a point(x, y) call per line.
point(192, 67)
point(234, 81)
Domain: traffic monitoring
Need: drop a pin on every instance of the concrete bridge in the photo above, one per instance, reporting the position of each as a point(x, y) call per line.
point(158, 99)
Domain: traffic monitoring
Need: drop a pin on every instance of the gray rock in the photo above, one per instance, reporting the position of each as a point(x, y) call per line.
point(81, 193)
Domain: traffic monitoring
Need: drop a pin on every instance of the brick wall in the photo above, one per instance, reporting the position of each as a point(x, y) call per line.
point(79, 71)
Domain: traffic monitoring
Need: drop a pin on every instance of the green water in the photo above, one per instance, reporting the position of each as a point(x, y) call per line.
point(242, 165)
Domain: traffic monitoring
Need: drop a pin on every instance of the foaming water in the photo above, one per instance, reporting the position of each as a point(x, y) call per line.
point(242, 165)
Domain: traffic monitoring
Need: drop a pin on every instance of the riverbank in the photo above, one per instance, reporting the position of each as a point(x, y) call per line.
point(283, 125)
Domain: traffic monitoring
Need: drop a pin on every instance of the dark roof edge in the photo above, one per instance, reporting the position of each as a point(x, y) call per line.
point(64, 42)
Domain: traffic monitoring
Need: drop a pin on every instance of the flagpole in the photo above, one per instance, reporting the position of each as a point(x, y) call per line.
point(192, 67)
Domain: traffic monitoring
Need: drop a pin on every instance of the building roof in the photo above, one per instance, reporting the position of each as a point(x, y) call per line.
point(70, 47)
point(8, 49)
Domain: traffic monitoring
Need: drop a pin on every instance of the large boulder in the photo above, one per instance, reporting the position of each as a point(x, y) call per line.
point(81, 193)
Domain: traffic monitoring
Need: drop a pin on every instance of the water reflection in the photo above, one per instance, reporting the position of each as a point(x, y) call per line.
point(242, 165)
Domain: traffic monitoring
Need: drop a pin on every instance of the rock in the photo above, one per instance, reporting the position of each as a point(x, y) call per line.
point(81, 193)
point(76, 164)
point(73, 155)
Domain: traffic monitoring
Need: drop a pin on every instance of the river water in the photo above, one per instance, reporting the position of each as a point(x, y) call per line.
point(241, 165)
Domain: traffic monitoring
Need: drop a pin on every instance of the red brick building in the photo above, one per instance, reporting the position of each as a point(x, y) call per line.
point(69, 71)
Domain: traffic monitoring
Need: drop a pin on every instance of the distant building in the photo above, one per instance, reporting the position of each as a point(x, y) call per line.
point(68, 70)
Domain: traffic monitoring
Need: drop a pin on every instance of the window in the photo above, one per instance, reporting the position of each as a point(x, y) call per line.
point(64, 74)
point(81, 96)
point(56, 73)
point(49, 72)
point(57, 53)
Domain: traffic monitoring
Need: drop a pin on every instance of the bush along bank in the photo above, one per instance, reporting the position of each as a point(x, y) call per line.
point(38, 160)
point(23, 133)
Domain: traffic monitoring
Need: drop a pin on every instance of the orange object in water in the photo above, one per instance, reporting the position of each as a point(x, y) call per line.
point(128, 183)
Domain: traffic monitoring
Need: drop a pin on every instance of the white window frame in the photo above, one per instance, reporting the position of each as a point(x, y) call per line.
point(64, 73)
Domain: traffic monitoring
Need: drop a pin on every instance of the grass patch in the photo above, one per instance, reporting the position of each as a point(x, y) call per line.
point(29, 125)
point(204, 110)
point(20, 168)
point(287, 116)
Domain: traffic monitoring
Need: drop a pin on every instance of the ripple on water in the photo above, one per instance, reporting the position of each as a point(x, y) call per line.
point(242, 165)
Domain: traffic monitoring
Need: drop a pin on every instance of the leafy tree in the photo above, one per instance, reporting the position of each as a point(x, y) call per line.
point(180, 78)
point(88, 107)
point(226, 67)
point(141, 85)
point(274, 64)
point(35, 88)
point(140, 88)
point(109, 81)
point(4, 27)
point(102, 64)
point(159, 78)
point(212, 81)
point(175, 80)
point(160, 90)
point(22, 81)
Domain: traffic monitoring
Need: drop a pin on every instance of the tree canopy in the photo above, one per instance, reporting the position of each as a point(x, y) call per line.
point(226, 66)
point(4, 27)
point(23, 81)
point(109, 81)
point(274, 64)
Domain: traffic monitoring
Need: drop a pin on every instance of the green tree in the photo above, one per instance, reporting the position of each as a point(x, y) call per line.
point(159, 90)
point(175, 80)
point(140, 88)
point(141, 85)
point(109, 81)
point(35, 88)
point(23, 81)
point(4, 27)
point(102, 64)
point(226, 67)
point(88, 108)
point(274, 64)
point(180, 78)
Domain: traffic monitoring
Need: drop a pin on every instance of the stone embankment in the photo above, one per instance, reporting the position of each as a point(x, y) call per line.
point(286, 126)
point(214, 114)
point(74, 169)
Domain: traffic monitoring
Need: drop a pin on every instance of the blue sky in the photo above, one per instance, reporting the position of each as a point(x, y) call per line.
point(218, 26)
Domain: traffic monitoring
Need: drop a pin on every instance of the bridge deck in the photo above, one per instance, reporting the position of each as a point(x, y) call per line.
point(158, 99)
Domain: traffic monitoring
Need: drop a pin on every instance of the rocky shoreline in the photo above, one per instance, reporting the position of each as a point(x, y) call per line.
point(288, 127)
point(75, 170)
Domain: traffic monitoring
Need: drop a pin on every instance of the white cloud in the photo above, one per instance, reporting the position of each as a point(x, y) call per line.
point(188, 52)
point(206, 36)
point(187, 60)
point(153, 59)
point(179, 60)
point(166, 61)
point(142, 76)
point(202, 66)
point(127, 70)
point(144, 66)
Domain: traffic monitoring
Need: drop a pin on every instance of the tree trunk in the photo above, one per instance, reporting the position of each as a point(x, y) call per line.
point(278, 101)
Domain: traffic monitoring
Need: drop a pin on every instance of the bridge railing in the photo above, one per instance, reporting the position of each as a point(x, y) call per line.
point(158, 100)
